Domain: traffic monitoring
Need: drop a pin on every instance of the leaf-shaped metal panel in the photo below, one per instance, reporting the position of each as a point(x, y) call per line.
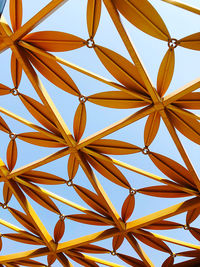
point(11, 154)
point(83, 261)
point(172, 169)
point(53, 72)
point(54, 41)
point(162, 191)
point(108, 170)
point(20, 237)
point(24, 219)
point(190, 253)
point(128, 207)
point(116, 99)
point(86, 219)
point(42, 177)
point(31, 263)
point(40, 113)
point(16, 14)
point(166, 72)
point(152, 241)
point(192, 215)
point(3, 126)
point(144, 16)
point(89, 248)
point(117, 241)
point(39, 139)
point(195, 232)
point(187, 126)
point(164, 225)
point(41, 199)
point(7, 193)
point(189, 101)
point(51, 259)
point(72, 166)
point(79, 121)
point(151, 128)
point(168, 262)
point(16, 71)
point(93, 16)
point(131, 261)
point(122, 69)
point(192, 41)
point(114, 147)
point(4, 90)
point(59, 230)
point(91, 199)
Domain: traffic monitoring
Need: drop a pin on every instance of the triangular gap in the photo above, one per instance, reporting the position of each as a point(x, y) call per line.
point(111, 38)
point(85, 58)
point(74, 229)
point(37, 152)
point(26, 87)
point(66, 16)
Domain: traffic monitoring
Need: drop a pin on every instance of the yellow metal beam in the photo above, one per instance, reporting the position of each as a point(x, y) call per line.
point(163, 214)
point(24, 255)
point(38, 163)
point(183, 6)
point(184, 90)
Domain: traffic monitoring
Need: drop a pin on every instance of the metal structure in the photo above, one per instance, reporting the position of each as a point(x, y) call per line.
point(134, 89)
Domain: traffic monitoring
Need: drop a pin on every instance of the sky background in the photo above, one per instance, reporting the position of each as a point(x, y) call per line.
point(71, 18)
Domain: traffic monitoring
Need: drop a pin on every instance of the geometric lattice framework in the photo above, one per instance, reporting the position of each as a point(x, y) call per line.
point(24, 193)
